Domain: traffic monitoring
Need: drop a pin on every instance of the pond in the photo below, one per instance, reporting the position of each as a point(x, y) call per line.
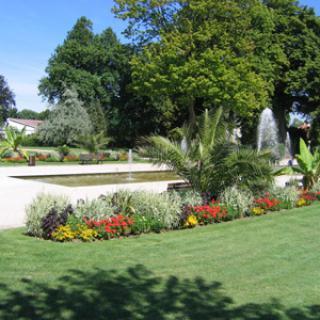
point(106, 178)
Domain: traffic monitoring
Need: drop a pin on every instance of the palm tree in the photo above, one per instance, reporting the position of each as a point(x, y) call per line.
point(93, 143)
point(207, 158)
point(13, 140)
point(308, 166)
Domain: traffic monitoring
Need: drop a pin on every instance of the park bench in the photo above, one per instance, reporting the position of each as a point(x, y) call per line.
point(179, 186)
point(100, 157)
point(86, 158)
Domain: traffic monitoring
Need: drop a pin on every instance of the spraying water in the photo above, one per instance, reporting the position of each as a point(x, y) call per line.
point(268, 132)
point(184, 145)
point(130, 164)
point(289, 151)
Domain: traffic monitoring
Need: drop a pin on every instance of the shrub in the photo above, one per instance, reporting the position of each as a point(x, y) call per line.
point(6, 154)
point(31, 140)
point(53, 157)
point(238, 201)
point(39, 208)
point(63, 151)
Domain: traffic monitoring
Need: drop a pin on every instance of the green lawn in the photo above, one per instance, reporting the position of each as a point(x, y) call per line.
point(259, 268)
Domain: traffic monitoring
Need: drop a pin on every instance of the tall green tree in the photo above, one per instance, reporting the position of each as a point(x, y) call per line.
point(89, 62)
point(68, 120)
point(7, 99)
point(204, 53)
point(297, 82)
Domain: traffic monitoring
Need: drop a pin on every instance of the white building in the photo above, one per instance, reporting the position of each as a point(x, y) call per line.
point(29, 125)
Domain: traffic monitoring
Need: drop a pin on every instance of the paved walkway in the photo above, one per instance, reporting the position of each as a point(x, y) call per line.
point(15, 193)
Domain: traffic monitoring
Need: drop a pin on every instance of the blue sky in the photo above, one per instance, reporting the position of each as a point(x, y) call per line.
point(30, 30)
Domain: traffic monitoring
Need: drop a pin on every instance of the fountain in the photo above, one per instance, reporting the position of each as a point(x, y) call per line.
point(130, 164)
point(288, 144)
point(184, 145)
point(268, 133)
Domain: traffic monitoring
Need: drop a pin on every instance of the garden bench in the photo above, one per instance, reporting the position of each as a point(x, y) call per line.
point(100, 157)
point(86, 158)
point(178, 186)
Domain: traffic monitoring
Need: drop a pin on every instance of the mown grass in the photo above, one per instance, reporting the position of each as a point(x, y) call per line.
point(259, 268)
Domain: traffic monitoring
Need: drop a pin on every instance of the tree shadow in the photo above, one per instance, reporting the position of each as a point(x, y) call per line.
point(134, 294)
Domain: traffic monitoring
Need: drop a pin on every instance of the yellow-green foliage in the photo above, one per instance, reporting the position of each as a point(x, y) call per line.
point(301, 203)
point(79, 231)
point(63, 233)
point(257, 211)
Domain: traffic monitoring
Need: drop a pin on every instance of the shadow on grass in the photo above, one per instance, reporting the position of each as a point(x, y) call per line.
point(134, 294)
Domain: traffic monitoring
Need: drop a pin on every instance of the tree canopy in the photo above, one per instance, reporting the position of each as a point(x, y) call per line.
point(241, 55)
point(189, 55)
point(7, 99)
point(88, 62)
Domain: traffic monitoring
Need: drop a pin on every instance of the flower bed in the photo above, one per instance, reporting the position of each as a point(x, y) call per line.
point(124, 214)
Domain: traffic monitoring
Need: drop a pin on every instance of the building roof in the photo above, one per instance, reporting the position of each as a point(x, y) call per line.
point(26, 122)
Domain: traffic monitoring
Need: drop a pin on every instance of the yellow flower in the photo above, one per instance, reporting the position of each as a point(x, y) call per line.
point(63, 233)
point(192, 221)
point(87, 234)
point(257, 211)
point(301, 202)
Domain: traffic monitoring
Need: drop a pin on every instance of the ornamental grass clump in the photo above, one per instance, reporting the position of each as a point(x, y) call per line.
point(288, 196)
point(163, 209)
point(97, 209)
point(238, 201)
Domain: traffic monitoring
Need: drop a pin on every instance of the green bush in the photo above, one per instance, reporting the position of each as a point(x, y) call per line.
point(7, 154)
point(31, 140)
point(39, 208)
point(63, 151)
point(238, 201)
point(53, 157)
